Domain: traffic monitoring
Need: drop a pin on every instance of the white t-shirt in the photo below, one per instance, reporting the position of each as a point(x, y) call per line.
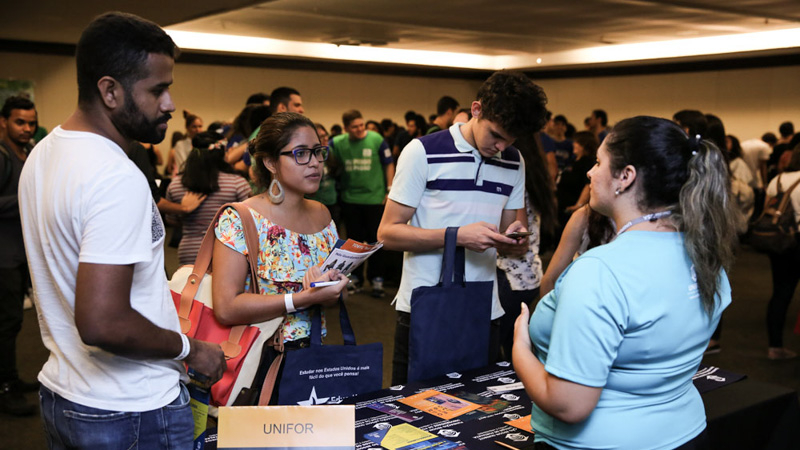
point(787, 180)
point(452, 185)
point(83, 201)
point(182, 150)
point(754, 151)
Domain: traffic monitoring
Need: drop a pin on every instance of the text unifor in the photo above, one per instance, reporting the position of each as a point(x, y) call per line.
point(286, 428)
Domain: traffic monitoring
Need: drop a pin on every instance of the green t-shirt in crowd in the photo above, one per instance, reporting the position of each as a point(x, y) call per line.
point(363, 181)
point(327, 189)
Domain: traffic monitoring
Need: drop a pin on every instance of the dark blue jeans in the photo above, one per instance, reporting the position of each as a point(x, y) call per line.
point(71, 425)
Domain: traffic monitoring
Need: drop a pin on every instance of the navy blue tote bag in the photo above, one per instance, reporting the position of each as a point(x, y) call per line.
point(321, 374)
point(450, 322)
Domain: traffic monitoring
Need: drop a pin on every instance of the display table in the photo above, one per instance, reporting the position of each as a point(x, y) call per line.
point(746, 414)
point(753, 415)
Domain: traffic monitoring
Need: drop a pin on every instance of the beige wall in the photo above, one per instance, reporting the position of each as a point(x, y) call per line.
point(749, 101)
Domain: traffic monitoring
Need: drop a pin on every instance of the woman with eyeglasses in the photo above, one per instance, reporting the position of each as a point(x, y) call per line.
point(296, 234)
point(608, 355)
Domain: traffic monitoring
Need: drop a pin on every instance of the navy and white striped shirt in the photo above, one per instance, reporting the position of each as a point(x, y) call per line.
point(451, 184)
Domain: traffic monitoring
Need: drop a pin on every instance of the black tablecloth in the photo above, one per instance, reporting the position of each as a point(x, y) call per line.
point(741, 415)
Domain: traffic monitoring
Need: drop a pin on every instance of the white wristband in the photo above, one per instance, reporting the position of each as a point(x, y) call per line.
point(287, 299)
point(186, 348)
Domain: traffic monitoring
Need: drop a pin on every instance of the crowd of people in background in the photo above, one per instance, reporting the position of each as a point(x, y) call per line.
point(356, 179)
point(537, 181)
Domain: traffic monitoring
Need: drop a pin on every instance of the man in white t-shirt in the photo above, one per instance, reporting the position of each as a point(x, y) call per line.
point(756, 153)
point(468, 176)
point(94, 241)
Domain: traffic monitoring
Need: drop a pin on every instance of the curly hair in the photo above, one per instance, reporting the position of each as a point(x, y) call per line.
point(514, 102)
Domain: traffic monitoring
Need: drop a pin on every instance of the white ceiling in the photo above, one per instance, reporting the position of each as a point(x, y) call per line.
point(522, 30)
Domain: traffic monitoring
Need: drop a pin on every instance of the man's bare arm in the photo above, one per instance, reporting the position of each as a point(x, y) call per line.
point(397, 234)
point(105, 318)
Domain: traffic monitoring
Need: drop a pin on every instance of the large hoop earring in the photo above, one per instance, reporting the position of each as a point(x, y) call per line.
point(273, 197)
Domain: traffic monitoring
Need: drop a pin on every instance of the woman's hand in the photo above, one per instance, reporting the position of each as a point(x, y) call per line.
point(326, 295)
point(522, 335)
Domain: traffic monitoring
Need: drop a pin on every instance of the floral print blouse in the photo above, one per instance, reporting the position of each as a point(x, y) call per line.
point(525, 273)
point(283, 259)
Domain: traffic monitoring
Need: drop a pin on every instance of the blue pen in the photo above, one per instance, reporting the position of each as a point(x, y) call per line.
point(323, 283)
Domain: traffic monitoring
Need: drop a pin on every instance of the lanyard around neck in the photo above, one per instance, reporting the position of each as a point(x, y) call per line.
point(645, 218)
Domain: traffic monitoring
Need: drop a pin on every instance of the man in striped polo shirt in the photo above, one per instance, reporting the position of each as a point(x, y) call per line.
point(467, 176)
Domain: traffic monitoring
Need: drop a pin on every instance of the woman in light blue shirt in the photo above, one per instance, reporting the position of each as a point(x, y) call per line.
point(608, 356)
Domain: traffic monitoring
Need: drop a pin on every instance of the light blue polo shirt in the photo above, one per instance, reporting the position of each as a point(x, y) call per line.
point(451, 185)
point(627, 317)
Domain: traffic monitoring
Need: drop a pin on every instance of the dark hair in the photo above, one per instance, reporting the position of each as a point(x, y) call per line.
point(600, 229)
point(336, 130)
point(539, 184)
point(570, 131)
point(377, 125)
point(736, 147)
point(217, 128)
point(204, 164)
point(189, 118)
point(16, 102)
point(409, 115)
point(715, 131)
point(600, 114)
point(692, 119)
point(241, 124)
point(118, 44)
point(176, 136)
point(445, 104)
point(589, 142)
point(386, 124)
point(514, 102)
point(691, 178)
point(281, 96)
point(786, 129)
point(257, 98)
point(419, 121)
point(275, 134)
point(256, 117)
point(769, 138)
point(794, 162)
point(561, 119)
point(350, 116)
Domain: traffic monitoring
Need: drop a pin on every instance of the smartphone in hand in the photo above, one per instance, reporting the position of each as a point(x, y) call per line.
point(519, 234)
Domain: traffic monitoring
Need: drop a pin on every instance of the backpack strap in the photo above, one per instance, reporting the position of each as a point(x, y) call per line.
point(202, 263)
point(784, 204)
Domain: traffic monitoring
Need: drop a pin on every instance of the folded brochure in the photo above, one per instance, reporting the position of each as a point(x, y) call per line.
point(349, 254)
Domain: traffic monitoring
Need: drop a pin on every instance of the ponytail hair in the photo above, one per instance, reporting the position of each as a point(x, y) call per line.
point(704, 214)
point(689, 177)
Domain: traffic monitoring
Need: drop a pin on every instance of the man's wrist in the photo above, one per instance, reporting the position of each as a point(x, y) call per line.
point(186, 348)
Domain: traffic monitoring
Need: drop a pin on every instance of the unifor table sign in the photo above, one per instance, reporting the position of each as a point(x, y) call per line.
point(287, 427)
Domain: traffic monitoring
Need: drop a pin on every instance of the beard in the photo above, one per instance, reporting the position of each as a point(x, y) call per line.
point(20, 140)
point(133, 124)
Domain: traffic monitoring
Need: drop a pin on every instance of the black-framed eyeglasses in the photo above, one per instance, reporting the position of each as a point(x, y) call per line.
point(302, 155)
